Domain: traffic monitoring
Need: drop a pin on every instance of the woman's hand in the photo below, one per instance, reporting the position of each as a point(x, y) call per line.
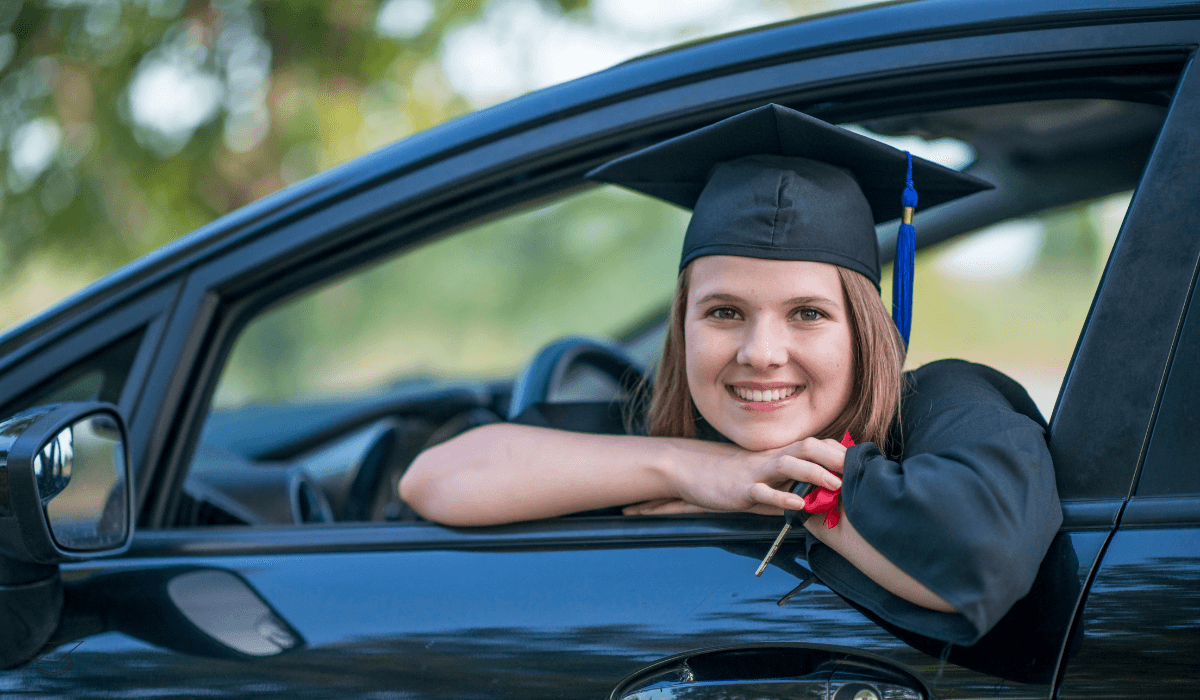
point(757, 482)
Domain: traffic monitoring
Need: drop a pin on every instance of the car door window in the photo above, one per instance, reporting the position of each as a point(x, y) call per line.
point(326, 397)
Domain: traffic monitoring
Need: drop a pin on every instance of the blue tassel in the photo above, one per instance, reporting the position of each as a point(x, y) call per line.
point(906, 250)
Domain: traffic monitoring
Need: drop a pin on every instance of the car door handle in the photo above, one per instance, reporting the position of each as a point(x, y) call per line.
point(772, 672)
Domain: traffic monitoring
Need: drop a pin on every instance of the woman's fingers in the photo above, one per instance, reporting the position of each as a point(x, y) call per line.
point(830, 454)
point(808, 472)
point(783, 500)
point(743, 480)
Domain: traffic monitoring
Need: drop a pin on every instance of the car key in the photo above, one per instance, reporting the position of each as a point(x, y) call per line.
point(801, 489)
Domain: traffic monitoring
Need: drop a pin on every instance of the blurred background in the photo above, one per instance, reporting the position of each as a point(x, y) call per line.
point(127, 123)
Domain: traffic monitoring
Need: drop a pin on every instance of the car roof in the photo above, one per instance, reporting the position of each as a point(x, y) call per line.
point(879, 25)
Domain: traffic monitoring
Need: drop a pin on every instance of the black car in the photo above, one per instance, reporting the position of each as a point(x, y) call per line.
point(270, 554)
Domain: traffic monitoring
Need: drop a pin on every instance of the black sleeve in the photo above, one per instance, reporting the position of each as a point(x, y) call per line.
point(969, 510)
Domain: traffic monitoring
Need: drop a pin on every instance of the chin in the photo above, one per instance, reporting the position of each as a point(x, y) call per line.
point(759, 440)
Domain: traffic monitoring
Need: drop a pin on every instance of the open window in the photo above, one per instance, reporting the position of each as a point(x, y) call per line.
point(328, 395)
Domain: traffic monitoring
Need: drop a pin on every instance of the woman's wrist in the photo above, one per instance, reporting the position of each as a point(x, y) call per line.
point(670, 466)
point(681, 461)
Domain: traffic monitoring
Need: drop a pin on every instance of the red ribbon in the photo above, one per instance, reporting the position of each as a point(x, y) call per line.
point(822, 500)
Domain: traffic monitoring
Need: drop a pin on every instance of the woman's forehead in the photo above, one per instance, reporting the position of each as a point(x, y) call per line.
point(762, 281)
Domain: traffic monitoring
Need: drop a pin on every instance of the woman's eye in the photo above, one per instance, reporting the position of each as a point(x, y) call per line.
point(724, 314)
point(808, 315)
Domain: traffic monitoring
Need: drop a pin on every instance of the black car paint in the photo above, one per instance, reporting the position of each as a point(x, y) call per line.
point(566, 615)
point(569, 608)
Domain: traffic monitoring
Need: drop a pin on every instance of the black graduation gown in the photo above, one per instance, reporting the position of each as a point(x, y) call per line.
point(968, 508)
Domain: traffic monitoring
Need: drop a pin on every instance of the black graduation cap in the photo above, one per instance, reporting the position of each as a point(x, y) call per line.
point(778, 184)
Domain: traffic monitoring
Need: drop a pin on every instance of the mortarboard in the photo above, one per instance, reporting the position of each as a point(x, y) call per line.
point(778, 184)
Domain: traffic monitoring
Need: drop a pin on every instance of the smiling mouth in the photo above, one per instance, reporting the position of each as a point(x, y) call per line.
point(762, 396)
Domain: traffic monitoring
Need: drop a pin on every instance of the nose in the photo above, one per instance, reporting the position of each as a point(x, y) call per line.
point(763, 345)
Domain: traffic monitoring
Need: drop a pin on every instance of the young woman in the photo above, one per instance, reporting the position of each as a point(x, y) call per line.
point(778, 345)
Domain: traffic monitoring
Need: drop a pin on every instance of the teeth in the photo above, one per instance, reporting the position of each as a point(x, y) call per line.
point(758, 395)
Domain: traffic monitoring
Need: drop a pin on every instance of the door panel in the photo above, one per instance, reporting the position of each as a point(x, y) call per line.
point(1140, 625)
point(551, 620)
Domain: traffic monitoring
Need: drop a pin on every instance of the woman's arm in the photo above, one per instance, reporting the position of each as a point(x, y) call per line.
point(505, 473)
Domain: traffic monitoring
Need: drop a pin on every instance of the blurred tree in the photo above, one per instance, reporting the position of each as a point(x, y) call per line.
point(126, 123)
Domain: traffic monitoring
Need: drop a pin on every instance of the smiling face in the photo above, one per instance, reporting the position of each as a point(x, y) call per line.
point(769, 348)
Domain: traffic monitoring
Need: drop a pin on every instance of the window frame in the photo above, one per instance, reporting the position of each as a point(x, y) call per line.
point(1159, 493)
point(68, 344)
point(1138, 309)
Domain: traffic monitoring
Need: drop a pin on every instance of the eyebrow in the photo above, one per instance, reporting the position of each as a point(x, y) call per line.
point(794, 301)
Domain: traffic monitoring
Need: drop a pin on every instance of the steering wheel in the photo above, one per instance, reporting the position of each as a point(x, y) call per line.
point(545, 372)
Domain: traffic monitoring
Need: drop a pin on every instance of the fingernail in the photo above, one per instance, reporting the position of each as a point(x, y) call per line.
point(796, 502)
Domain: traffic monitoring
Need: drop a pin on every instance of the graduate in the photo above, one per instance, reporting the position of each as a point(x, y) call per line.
point(781, 368)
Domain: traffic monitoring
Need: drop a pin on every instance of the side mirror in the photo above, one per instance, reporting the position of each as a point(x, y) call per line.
point(66, 494)
point(66, 491)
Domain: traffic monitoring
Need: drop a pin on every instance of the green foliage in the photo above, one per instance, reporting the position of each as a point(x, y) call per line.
point(303, 85)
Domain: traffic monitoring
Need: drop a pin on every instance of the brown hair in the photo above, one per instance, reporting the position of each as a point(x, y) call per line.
point(878, 362)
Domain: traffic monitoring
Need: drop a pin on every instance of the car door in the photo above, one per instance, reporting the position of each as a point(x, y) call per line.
point(570, 607)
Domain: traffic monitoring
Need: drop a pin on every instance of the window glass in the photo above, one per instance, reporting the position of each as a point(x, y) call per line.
point(99, 377)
